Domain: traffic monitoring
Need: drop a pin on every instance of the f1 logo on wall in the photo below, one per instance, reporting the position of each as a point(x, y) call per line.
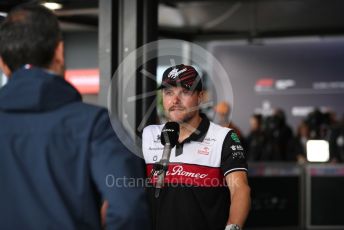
point(267, 84)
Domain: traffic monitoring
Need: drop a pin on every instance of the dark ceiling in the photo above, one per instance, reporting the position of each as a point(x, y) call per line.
point(231, 18)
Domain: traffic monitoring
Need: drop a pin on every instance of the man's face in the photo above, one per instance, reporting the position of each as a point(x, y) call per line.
point(180, 105)
point(254, 124)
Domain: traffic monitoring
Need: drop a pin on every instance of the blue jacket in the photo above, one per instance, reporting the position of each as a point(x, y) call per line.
point(59, 158)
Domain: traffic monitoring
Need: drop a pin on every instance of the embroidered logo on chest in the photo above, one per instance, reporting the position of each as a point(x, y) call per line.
point(204, 150)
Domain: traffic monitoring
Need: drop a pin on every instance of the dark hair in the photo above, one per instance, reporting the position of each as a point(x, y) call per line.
point(258, 117)
point(29, 35)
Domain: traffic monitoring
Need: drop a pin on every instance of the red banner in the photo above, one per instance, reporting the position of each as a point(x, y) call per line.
point(86, 81)
point(195, 175)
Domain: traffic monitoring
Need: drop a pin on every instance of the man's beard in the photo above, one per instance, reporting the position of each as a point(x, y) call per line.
point(188, 116)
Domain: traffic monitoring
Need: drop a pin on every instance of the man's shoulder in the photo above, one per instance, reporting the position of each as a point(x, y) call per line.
point(218, 129)
point(153, 128)
point(85, 108)
point(80, 112)
point(151, 131)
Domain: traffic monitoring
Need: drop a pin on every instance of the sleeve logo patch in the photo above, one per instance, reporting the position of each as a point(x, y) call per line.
point(237, 147)
point(235, 137)
point(238, 155)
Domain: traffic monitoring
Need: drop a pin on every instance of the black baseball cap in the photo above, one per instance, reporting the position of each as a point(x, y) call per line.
point(182, 75)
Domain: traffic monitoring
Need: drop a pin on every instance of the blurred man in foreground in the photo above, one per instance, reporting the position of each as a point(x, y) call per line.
point(59, 157)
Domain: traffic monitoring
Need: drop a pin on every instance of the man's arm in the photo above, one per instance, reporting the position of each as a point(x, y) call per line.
point(234, 166)
point(240, 197)
point(114, 171)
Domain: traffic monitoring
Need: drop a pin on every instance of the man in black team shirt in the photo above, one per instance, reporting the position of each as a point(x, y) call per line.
point(195, 195)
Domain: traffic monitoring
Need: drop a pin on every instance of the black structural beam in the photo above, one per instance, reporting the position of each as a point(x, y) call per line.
point(147, 32)
point(125, 26)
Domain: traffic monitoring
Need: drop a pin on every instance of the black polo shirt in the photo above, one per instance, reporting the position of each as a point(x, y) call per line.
point(195, 195)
